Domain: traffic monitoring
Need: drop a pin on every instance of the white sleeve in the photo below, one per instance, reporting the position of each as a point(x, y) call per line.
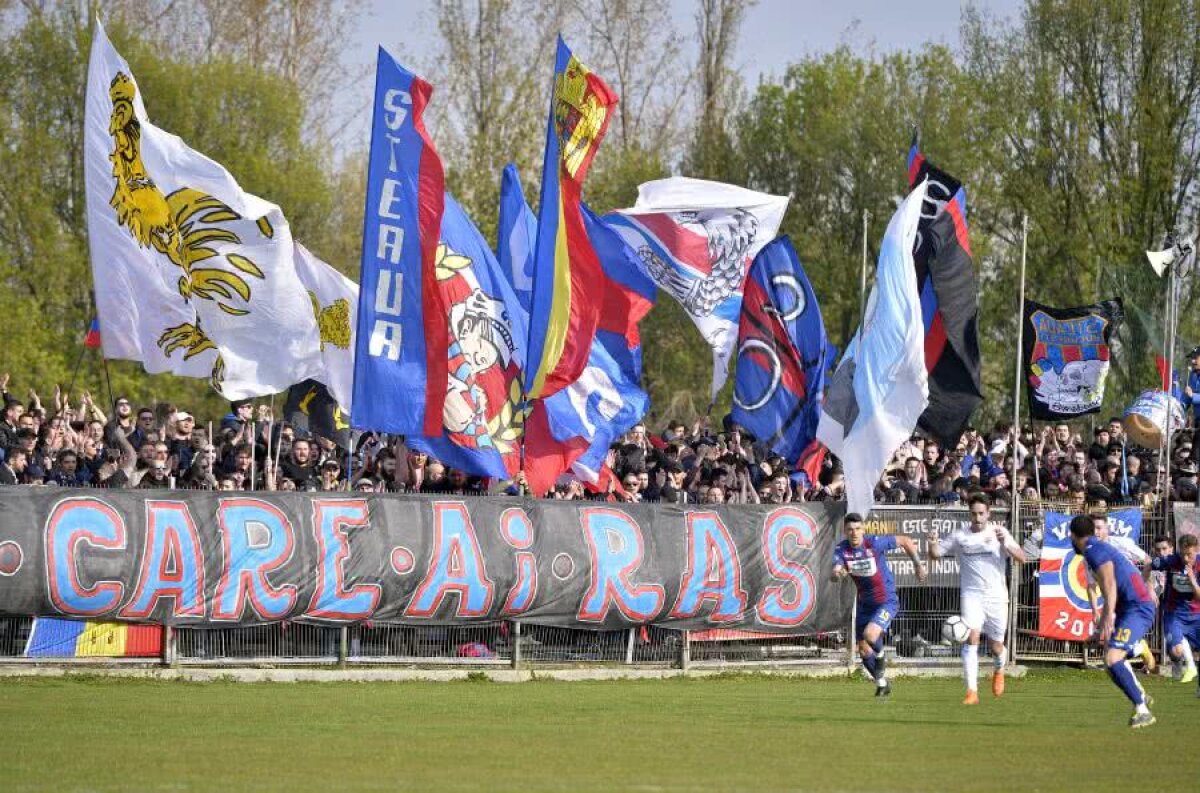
point(1130, 549)
point(949, 544)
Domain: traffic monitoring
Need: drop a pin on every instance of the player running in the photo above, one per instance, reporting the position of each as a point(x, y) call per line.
point(1128, 611)
point(1139, 558)
point(981, 549)
point(861, 556)
point(1182, 610)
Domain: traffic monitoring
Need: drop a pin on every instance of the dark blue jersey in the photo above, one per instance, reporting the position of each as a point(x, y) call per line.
point(868, 568)
point(1131, 587)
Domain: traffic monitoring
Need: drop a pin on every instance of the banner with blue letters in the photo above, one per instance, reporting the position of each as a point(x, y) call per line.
point(211, 559)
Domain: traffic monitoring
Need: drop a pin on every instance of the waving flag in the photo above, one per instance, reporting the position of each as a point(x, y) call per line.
point(696, 240)
point(92, 339)
point(781, 353)
point(582, 421)
point(881, 386)
point(1067, 357)
point(400, 350)
point(192, 274)
point(564, 306)
point(335, 306)
point(518, 232)
point(484, 418)
point(949, 302)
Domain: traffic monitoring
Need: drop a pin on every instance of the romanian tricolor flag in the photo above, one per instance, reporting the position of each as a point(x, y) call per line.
point(563, 318)
point(52, 637)
point(92, 339)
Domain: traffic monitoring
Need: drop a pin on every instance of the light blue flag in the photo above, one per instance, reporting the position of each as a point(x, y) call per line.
point(881, 386)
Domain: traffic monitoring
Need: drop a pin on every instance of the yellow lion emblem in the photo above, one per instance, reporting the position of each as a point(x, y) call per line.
point(182, 226)
point(333, 321)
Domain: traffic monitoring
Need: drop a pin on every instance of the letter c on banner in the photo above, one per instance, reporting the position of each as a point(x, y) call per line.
point(616, 551)
point(775, 607)
point(72, 523)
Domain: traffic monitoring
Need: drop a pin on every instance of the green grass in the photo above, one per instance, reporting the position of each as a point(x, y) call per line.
point(1060, 730)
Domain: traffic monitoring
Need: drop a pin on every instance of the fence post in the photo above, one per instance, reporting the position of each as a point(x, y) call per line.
point(629, 646)
point(343, 646)
point(851, 639)
point(168, 654)
point(516, 645)
point(685, 650)
point(1014, 586)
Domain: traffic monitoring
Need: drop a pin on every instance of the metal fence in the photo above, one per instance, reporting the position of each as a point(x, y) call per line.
point(915, 635)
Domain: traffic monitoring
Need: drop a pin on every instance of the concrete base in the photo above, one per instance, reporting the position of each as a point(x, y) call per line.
point(398, 675)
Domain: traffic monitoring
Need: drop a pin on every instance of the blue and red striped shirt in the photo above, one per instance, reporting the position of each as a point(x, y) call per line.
point(866, 564)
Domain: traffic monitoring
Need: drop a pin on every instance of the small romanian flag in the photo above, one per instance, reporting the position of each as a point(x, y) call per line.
point(92, 339)
point(52, 637)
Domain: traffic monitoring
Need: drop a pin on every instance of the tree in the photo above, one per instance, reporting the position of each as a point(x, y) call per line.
point(1097, 111)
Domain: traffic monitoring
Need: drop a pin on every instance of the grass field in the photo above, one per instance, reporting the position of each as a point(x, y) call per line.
point(1060, 730)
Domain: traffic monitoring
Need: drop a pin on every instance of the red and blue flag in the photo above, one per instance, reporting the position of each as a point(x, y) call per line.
point(565, 306)
point(92, 339)
point(781, 353)
point(400, 354)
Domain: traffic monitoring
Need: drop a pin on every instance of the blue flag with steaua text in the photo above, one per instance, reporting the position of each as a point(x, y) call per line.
point(400, 352)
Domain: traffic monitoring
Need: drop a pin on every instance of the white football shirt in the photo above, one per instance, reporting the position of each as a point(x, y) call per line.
point(981, 561)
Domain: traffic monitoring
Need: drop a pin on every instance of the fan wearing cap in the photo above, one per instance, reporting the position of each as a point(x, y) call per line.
point(331, 472)
point(179, 438)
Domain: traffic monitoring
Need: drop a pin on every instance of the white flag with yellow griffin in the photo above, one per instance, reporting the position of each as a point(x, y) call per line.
point(192, 274)
point(335, 303)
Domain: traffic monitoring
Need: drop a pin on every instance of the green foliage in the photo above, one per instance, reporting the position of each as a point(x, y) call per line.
point(252, 121)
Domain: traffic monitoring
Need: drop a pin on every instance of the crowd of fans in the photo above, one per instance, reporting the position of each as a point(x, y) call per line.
point(78, 443)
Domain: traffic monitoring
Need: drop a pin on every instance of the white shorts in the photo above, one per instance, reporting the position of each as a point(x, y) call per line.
point(985, 614)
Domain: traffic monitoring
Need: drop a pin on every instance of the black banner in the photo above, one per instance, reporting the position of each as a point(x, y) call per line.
point(208, 558)
point(1067, 356)
point(311, 408)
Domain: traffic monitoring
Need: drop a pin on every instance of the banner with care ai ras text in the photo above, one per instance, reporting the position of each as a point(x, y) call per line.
point(209, 558)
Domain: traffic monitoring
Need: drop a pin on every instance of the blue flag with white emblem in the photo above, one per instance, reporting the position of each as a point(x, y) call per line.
point(781, 353)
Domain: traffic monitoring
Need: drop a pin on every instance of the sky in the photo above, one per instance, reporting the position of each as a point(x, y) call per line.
point(774, 34)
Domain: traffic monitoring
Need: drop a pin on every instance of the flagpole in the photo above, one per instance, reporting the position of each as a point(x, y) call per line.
point(862, 282)
point(1016, 427)
point(1172, 320)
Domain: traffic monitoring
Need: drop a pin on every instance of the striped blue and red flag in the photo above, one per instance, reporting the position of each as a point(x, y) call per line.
point(92, 339)
point(400, 355)
point(565, 306)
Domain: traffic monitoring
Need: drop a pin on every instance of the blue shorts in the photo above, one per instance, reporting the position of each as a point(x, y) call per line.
point(1182, 626)
point(1131, 626)
point(882, 615)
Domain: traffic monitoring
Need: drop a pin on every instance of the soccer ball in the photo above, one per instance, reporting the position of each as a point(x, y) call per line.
point(954, 630)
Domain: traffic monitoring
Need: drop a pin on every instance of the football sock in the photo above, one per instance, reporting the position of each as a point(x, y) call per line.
point(1122, 675)
point(970, 662)
point(1188, 661)
point(998, 662)
point(880, 662)
point(869, 663)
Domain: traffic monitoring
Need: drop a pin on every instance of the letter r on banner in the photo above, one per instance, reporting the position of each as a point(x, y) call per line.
point(615, 552)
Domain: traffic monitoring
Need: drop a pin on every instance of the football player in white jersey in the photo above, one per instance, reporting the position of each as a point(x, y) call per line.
point(982, 548)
